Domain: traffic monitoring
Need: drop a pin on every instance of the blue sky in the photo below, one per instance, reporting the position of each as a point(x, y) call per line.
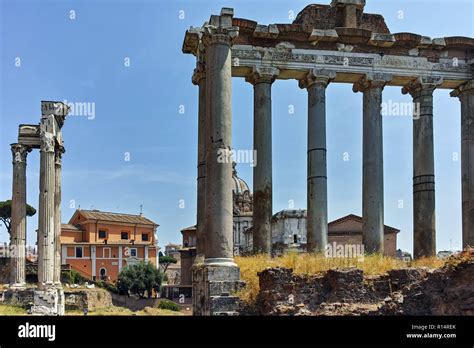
point(138, 149)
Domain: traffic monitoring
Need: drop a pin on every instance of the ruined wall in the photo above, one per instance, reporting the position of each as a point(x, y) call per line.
point(74, 299)
point(445, 291)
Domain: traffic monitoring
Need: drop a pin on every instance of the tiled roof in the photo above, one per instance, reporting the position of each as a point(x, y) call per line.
point(190, 228)
point(116, 217)
point(358, 219)
point(69, 227)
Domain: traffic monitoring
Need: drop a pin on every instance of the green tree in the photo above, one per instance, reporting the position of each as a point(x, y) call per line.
point(139, 279)
point(165, 261)
point(6, 213)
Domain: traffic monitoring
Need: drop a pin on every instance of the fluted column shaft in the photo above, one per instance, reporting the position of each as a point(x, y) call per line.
point(466, 96)
point(372, 162)
point(262, 78)
point(219, 207)
point(424, 218)
point(18, 215)
point(317, 200)
point(199, 79)
point(46, 214)
point(57, 214)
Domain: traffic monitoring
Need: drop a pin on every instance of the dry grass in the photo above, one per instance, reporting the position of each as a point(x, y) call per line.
point(11, 310)
point(121, 311)
point(313, 264)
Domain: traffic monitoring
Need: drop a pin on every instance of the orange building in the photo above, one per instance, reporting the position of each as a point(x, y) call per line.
point(99, 244)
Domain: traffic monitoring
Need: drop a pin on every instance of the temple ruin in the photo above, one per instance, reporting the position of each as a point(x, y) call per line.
point(47, 137)
point(336, 43)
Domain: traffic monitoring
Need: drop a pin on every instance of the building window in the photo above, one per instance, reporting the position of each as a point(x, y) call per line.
point(106, 253)
point(145, 237)
point(295, 238)
point(79, 252)
point(124, 235)
point(102, 234)
point(133, 252)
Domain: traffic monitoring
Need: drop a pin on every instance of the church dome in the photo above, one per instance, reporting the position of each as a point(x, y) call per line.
point(239, 185)
point(242, 196)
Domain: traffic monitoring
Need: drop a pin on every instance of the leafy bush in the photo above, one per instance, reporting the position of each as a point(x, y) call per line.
point(107, 286)
point(72, 277)
point(170, 305)
point(139, 279)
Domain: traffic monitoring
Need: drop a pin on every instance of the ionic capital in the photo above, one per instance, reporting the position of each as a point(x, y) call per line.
point(320, 77)
point(371, 80)
point(262, 73)
point(466, 87)
point(19, 152)
point(422, 84)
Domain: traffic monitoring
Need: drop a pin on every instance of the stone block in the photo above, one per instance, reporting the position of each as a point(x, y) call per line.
point(48, 301)
point(323, 35)
point(213, 289)
point(382, 40)
point(358, 3)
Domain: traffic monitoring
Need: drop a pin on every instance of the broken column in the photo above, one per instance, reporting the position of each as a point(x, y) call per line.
point(48, 298)
point(262, 78)
point(317, 199)
point(218, 277)
point(18, 216)
point(372, 167)
point(465, 93)
point(424, 221)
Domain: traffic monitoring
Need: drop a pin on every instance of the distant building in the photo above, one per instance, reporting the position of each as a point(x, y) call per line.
point(99, 244)
point(173, 272)
point(289, 232)
point(444, 254)
point(404, 255)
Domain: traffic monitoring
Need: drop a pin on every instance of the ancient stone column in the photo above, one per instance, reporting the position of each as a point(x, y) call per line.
point(18, 216)
point(57, 214)
point(217, 279)
point(262, 78)
point(372, 166)
point(317, 200)
point(424, 222)
point(46, 213)
point(219, 210)
point(465, 93)
point(199, 79)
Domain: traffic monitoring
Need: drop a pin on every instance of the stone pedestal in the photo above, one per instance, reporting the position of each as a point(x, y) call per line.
point(214, 286)
point(48, 301)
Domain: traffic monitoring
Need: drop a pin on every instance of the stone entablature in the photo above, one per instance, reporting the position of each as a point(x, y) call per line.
point(318, 39)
